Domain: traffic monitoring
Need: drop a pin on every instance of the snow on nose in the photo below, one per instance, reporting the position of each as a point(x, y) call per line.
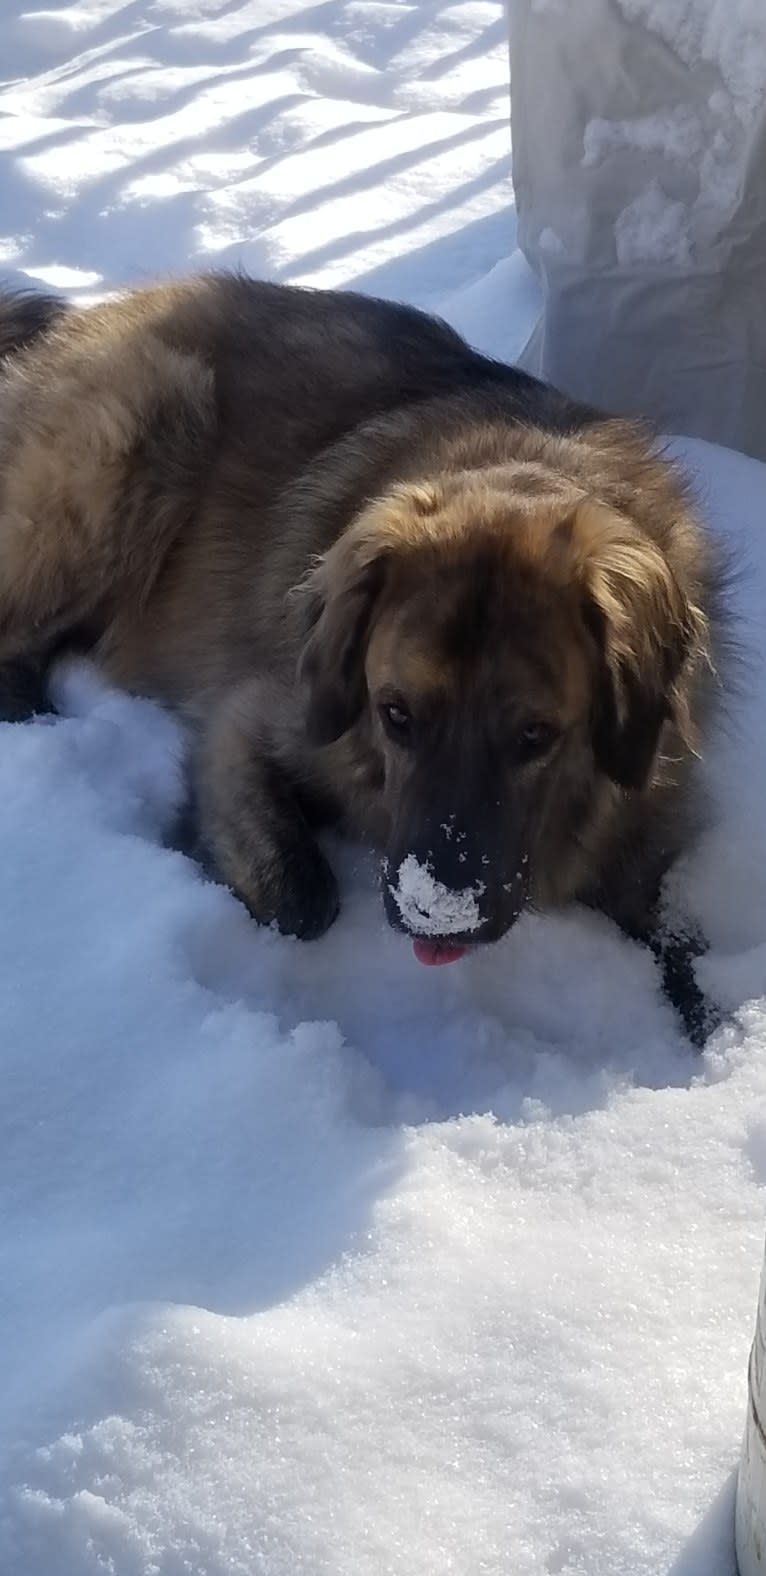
point(429, 908)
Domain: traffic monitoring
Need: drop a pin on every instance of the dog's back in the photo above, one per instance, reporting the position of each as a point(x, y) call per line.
point(338, 356)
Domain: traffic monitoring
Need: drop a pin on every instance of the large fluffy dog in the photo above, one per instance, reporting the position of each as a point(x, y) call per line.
point(392, 584)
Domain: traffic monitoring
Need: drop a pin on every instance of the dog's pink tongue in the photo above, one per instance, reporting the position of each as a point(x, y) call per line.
point(436, 952)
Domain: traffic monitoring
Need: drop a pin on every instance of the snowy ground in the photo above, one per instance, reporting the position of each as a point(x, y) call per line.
point(358, 142)
point(312, 1260)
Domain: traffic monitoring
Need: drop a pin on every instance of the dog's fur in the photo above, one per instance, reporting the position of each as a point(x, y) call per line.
point(284, 511)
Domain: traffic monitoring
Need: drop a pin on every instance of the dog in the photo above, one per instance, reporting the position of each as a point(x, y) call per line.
point(391, 585)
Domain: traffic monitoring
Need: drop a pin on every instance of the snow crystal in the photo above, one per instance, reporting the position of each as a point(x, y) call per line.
point(430, 908)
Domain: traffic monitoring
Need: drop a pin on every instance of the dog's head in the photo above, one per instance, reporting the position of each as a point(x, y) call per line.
point(502, 649)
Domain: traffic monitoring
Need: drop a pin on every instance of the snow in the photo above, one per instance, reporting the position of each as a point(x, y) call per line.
point(652, 228)
point(676, 132)
point(355, 142)
point(707, 147)
point(313, 1260)
point(430, 908)
point(728, 35)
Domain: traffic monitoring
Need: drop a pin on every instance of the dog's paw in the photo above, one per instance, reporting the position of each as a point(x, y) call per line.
point(309, 901)
point(299, 895)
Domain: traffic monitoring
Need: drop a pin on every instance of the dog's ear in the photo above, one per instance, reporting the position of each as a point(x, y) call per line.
point(337, 600)
point(646, 630)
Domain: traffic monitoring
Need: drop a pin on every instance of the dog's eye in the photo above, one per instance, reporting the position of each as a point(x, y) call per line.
point(535, 739)
point(396, 719)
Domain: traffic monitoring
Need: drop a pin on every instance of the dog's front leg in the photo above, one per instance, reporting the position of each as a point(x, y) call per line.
point(252, 828)
point(676, 948)
point(676, 945)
